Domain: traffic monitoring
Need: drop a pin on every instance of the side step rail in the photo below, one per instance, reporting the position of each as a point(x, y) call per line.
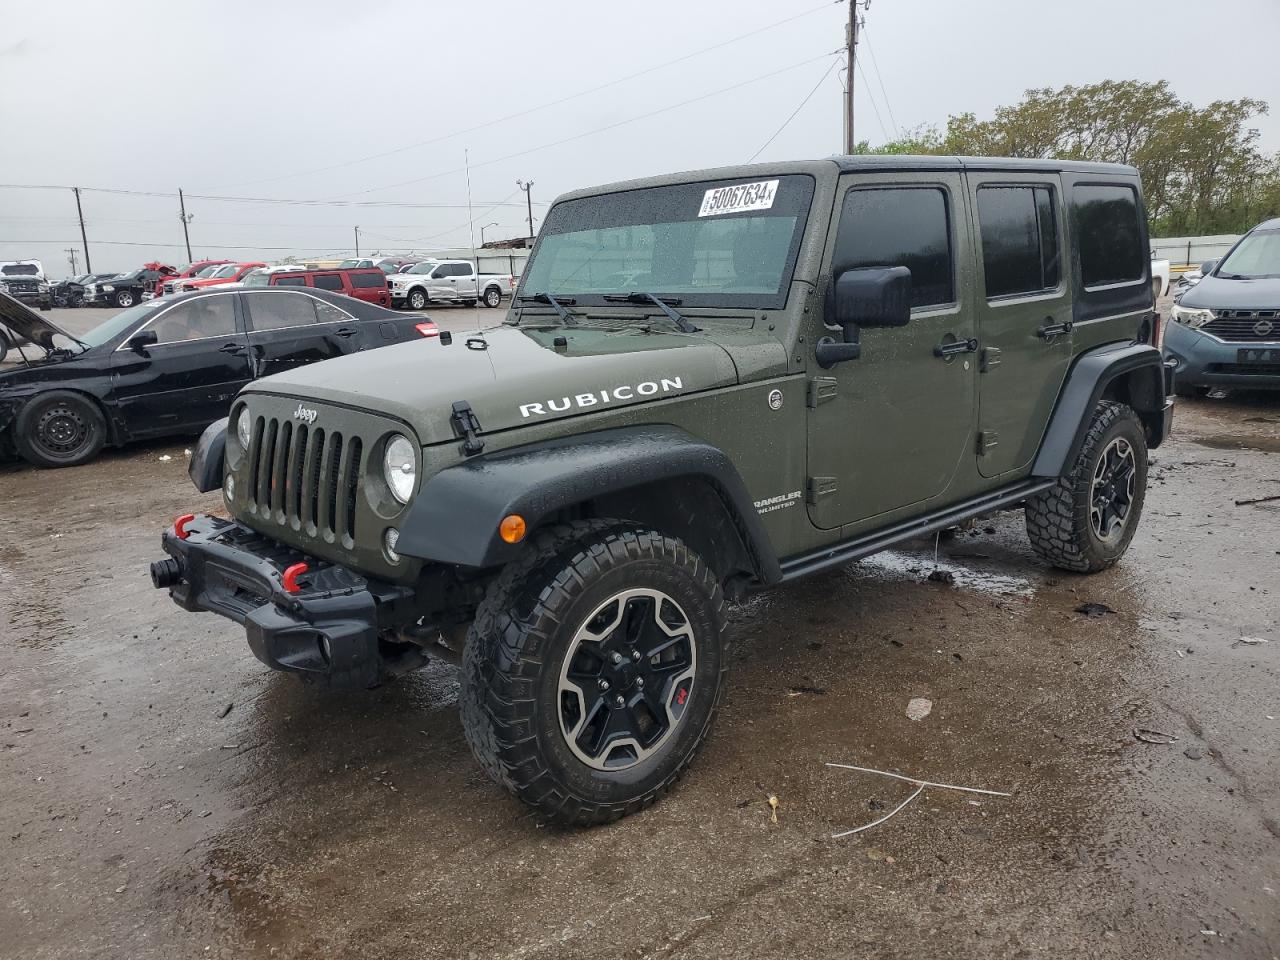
point(864, 546)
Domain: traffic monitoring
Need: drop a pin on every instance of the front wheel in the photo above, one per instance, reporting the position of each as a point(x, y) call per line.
point(492, 297)
point(124, 298)
point(593, 670)
point(417, 300)
point(60, 429)
point(1085, 521)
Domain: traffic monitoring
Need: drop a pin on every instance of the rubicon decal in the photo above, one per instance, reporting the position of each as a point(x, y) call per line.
point(596, 398)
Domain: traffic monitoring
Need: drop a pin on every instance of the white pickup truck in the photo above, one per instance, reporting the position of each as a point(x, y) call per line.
point(445, 281)
point(1159, 276)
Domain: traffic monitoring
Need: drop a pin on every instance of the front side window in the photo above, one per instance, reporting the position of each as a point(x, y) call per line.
point(272, 311)
point(709, 243)
point(1019, 240)
point(1109, 234)
point(327, 281)
point(196, 320)
point(899, 227)
point(1256, 257)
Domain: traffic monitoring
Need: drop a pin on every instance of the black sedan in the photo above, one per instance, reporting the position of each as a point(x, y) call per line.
point(169, 367)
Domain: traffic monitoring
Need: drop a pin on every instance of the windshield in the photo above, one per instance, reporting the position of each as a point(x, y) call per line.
point(20, 270)
point(1256, 256)
point(348, 264)
point(110, 329)
point(426, 266)
point(222, 272)
point(712, 243)
point(257, 278)
point(208, 271)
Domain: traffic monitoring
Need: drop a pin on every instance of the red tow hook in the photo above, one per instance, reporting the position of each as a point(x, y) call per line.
point(290, 579)
point(180, 526)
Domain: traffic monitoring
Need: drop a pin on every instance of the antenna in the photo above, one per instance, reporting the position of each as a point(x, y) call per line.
point(471, 226)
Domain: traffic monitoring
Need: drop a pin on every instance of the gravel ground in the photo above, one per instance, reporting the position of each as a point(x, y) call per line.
point(139, 818)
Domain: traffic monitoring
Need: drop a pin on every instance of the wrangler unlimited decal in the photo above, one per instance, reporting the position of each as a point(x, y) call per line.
point(649, 388)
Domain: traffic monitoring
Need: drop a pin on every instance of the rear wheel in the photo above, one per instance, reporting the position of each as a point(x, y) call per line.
point(492, 297)
point(1086, 520)
point(124, 298)
point(60, 429)
point(417, 300)
point(593, 670)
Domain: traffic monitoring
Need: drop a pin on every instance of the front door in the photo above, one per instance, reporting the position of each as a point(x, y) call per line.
point(188, 378)
point(1024, 314)
point(891, 429)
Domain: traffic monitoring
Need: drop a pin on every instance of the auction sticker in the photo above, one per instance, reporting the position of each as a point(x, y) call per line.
point(736, 199)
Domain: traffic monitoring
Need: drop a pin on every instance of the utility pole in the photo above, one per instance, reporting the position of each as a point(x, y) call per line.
point(71, 255)
point(851, 53)
point(182, 215)
point(357, 243)
point(83, 237)
point(528, 196)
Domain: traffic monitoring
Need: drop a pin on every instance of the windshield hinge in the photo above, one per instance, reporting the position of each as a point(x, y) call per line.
point(466, 426)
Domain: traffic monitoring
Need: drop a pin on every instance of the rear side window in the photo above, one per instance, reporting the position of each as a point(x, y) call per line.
point(462, 270)
point(272, 311)
point(1019, 240)
point(899, 226)
point(368, 280)
point(290, 281)
point(327, 281)
point(326, 312)
point(1109, 234)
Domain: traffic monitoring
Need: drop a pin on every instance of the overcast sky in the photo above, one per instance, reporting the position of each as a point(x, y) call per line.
point(279, 100)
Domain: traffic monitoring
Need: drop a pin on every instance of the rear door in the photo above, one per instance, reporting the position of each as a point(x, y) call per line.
point(286, 330)
point(465, 288)
point(332, 282)
point(189, 377)
point(370, 286)
point(1024, 312)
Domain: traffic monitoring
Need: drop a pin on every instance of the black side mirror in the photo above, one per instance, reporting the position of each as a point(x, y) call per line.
point(1206, 268)
point(865, 297)
point(139, 342)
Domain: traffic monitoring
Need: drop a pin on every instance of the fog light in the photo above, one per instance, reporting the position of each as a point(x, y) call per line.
point(389, 540)
point(229, 488)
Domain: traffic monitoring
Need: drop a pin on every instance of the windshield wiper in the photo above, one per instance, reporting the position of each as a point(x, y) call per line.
point(555, 302)
point(663, 304)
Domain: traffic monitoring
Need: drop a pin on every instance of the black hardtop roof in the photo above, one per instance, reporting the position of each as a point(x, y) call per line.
point(863, 163)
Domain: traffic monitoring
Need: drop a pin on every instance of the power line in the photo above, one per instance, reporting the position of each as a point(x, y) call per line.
point(825, 73)
point(880, 79)
point(278, 200)
point(544, 106)
point(871, 99)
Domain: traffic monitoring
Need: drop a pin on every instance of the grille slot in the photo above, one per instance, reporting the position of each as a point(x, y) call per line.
point(305, 477)
point(1245, 326)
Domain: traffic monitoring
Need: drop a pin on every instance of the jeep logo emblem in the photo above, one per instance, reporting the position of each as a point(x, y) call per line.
point(305, 414)
point(1263, 327)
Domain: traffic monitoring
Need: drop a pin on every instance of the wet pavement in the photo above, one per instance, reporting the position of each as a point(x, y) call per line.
point(137, 820)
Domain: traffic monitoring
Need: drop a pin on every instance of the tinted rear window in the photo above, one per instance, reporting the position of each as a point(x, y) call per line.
point(327, 281)
point(1019, 239)
point(1108, 234)
point(290, 281)
point(368, 279)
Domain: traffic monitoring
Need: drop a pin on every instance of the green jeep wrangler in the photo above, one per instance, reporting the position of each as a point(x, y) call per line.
point(708, 383)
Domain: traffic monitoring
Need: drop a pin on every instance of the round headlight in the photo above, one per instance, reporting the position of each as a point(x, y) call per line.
point(242, 428)
point(400, 467)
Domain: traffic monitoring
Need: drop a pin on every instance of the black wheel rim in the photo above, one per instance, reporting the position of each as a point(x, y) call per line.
point(63, 431)
point(627, 679)
point(1111, 493)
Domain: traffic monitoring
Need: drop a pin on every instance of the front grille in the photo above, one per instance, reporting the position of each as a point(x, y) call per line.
point(22, 286)
point(1245, 326)
point(305, 477)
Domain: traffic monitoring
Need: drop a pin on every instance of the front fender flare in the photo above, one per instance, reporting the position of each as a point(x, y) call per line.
point(455, 516)
point(205, 468)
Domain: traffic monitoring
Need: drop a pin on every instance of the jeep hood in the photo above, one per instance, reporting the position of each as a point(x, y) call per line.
point(512, 377)
point(28, 324)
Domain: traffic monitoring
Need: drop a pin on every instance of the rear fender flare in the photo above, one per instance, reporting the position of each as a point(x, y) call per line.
point(455, 516)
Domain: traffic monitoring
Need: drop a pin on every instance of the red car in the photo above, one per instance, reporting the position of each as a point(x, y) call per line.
point(189, 272)
point(231, 273)
point(362, 283)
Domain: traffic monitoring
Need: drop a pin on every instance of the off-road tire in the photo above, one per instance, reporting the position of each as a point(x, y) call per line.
point(51, 416)
point(515, 649)
point(492, 297)
point(1058, 520)
point(125, 298)
point(417, 300)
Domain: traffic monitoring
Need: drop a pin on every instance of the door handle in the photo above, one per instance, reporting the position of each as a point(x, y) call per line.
point(235, 349)
point(945, 350)
point(346, 332)
point(1051, 329)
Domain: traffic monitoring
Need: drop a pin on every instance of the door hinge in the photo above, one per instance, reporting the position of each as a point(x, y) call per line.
point(821, 389)
point(987, 439)
point(990, 358)
point(819, 487)
point(467, 426)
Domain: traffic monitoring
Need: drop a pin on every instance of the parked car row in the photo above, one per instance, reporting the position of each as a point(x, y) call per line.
point(170, 366)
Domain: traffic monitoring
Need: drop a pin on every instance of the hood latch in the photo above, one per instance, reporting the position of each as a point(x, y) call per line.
point(466, 426)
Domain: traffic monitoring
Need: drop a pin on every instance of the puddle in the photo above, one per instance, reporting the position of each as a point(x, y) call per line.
point(1240, 441)
point(896, 565)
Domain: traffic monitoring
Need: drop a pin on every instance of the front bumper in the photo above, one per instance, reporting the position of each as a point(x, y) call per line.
point(1205, 361)
point(326, 631)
